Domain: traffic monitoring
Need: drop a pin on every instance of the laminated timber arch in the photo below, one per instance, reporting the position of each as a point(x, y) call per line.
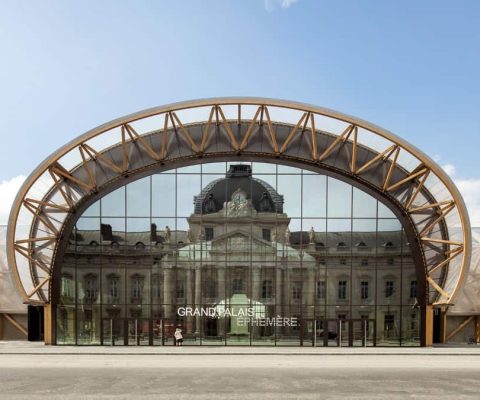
point(254, 129)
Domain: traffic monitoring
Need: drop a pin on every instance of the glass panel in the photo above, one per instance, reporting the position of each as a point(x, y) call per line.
point(304, 262)
point(113, 204)
point(138, 198)
point(339, 199)
point(163, 195)
point(364, 205)
point(314, 196)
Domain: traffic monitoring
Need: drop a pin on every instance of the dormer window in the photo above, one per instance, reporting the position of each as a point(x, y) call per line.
point(139, 246)
point(388, 244)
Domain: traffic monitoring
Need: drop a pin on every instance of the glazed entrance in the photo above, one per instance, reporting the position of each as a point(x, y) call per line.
point(238, 254)
point(315, 333)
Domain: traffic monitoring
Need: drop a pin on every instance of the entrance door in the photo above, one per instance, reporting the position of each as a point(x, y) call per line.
point(139, 332)
point(363, 332)
point(308, 332)
point(346, 332)
point(113, 332)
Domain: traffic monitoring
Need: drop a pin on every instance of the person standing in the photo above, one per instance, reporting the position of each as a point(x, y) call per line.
point(178, 337)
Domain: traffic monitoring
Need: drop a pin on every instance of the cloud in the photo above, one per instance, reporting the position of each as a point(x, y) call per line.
point(470, 190)
point(271, 5)
point(449, 169)
point(8, 191)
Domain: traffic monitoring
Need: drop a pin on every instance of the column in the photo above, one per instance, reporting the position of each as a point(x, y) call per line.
point(167, 291)
point(189, 298)
point(310, 286)
point(256, 294)
point(278, 295)
point(198, 296)
point(221, 296)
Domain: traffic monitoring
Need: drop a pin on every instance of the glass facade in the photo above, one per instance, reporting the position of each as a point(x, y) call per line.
point(238, 254)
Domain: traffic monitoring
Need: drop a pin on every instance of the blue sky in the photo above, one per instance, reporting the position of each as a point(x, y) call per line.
point(409, 66)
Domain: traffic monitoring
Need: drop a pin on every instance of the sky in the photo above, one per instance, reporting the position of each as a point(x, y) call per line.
point(409, 66)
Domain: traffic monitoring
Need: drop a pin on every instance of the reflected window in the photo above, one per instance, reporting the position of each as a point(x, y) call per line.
point(237, 285)
point(208, 233)
point(342, 290)
point(364, 290)
point(321, 290)
point(156, 287)
point(389, 288)
point(413, 289)
point(296, 290)
point(180, 289)
point(137, 287)
point(91, 288)
point(113, 285)
point(211, 289)
point(266, 235)
point(66, 285)
point(389, 324)
point(267, 289)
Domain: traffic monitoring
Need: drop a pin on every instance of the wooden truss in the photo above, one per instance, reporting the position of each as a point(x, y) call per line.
point(71, 188)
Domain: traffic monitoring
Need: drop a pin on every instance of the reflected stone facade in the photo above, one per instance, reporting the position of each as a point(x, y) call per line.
point(282, 256)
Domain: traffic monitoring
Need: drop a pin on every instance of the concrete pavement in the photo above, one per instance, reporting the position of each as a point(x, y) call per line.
point(35, 371)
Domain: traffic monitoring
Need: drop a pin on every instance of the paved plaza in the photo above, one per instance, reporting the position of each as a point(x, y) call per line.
point(34, 371)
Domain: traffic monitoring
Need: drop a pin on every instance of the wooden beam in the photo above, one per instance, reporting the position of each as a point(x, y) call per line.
point(292, 133)
point(136, 137)
point(444, 212)
point(343, 137)
point(58, 183)
point(97, 156)
point(183, 131)
point(314, 137)
point(60, 171)
point(230, 134)
point(38, 287)
point(48, 324)
point(37, 213)
point(353, 164)
point(391, 168)
point(430, 205)
point(15, 323)
point(450, 242)
point(250, 129)
point(47, 204)
point(457, 330)
point(205, 132)
point(273, 136)
point(438, 288)
point(446, 261)
point(28, 255)
point(163, 152)
point(386, 153)
point(86, 167)
point(125, 161)
point(417, 190)
point(407, 179)
point(476, 335)
point(37, 239)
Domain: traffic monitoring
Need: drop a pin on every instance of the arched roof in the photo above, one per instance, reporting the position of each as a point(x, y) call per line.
point(239, 128)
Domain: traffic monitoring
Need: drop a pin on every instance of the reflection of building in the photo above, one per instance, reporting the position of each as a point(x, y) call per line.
point(238, 242)
point(344, 227)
